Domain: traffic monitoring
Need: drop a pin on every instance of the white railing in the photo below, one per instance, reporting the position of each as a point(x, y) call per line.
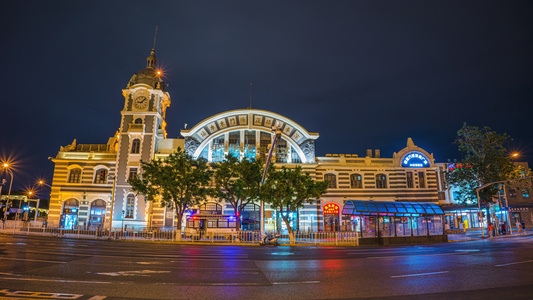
point(170, 235)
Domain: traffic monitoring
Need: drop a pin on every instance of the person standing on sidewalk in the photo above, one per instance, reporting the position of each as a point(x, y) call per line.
point(518, 226)
point(504, 229)
point(490, 228)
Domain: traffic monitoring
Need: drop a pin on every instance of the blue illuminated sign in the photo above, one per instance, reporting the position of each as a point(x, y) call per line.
point(415, 160)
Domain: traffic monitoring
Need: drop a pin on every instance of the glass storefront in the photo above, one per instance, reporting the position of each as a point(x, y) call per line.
point(386, 219)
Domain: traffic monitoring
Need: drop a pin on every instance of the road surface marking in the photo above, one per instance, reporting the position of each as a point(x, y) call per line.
point(36, 260)
point(467, 250)
point(293, 282)
point(376, 257)
point(421, 274)
point(55, 280)
point(133, 273)
point(44, 295)
point(515, 263)
point(388, 251)
point(6, 292)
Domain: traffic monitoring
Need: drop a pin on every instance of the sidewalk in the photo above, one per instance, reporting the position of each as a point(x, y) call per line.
point(473, 235)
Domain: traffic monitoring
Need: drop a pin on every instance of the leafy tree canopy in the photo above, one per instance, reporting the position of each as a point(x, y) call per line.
point(237, 182)
point(178, 181)
point(485, 160)
point(289, 189)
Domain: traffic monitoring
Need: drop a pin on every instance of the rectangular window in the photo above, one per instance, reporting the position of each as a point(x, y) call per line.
point(356, 181)
point(409, 180)
point(133, 173)
point(101, 176)
point(130, 207)
point(75, 176)
point(525, 193)
point(332, 180)
point(421, 180)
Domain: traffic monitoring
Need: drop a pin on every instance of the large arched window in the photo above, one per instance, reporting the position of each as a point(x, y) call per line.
point(130, 206)
point(332, 180)
point(381, 181)
point(75, 175)
point(100, 176)
point(97, 213)
point(356, 181)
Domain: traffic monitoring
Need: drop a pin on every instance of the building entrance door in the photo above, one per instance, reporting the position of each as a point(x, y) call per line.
point(331, 217)
point(69, 217)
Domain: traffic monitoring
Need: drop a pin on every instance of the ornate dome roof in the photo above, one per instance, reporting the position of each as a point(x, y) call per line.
point(148, 75)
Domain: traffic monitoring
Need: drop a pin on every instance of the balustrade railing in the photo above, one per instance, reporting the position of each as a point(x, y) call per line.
point(171, 235)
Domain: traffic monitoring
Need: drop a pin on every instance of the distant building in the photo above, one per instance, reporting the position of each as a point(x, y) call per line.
point(84, 175)
point(516, 196)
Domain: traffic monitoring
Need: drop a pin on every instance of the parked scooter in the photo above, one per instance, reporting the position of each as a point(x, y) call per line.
point(269, 241)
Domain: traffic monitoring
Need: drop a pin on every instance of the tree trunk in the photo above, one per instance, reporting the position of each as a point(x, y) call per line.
point(178, 225)
point(237, 219)
point(289, 228)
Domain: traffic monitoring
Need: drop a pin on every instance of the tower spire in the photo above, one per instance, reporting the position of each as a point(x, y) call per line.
point(151, 61)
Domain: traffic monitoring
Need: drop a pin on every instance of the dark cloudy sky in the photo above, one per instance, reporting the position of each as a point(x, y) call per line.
point(363, 74)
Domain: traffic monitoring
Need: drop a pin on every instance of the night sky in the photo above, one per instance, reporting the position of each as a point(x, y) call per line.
point(363, 74)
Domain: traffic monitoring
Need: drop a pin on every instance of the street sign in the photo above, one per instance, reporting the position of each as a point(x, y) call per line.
point(13, 210)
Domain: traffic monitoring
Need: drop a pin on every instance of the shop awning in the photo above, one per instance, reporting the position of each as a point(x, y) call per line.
point(360, 207)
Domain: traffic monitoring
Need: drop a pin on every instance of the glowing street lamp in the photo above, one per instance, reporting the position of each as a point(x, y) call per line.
point(6, 166)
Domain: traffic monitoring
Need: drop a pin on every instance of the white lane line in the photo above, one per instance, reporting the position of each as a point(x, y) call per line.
point(36, 260)
point(56, 280)
point(296, 282)
point(389, 257)
point(133, 273)
point(390, 251)
point(514, 263)
point(421, 274)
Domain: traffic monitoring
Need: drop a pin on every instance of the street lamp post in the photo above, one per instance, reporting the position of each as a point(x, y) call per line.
point(41, 183)
point(277, 131)
point(112, 205)
point(6, 166)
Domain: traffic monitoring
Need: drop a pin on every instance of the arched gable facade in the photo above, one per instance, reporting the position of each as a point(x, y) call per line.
point(247, 133)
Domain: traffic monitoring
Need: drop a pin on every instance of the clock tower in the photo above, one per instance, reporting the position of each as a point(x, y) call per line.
point(141, 128)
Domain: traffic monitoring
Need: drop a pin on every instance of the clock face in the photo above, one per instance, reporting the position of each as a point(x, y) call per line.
point(140, 102)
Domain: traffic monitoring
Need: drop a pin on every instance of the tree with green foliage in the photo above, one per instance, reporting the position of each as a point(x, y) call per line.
point(289, 189)
point(178, 181)
point(485, 160)
point(237, 182)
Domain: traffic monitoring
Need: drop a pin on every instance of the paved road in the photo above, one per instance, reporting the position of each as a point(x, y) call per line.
point(78, 269)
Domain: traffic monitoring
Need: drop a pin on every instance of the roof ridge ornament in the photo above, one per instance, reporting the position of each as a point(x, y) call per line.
point(410, 143)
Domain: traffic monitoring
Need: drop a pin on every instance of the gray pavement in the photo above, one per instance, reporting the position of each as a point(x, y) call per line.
point(99, 269)
point(475, 234)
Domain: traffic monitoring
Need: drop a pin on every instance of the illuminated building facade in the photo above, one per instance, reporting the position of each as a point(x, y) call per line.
point(89, 178)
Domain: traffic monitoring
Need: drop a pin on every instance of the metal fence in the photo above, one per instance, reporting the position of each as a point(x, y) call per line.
point(170, 235)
